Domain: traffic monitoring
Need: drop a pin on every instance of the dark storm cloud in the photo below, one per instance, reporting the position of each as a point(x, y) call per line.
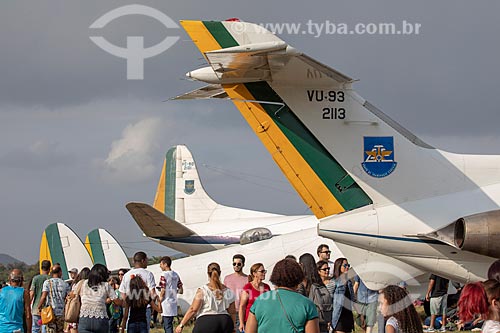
point(57, 86)
point(40, 156)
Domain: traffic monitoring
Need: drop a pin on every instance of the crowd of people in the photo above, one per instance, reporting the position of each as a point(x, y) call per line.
point(310, 295)
point(106, 303)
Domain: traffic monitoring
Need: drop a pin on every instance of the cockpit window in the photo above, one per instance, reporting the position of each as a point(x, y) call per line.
point(255, 235)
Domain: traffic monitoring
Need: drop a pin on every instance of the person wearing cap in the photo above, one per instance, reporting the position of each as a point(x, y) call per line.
point(73, 273)
point(15, 305)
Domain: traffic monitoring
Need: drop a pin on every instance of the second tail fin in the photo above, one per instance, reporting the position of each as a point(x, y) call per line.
point(179, 189)
point(182, 198)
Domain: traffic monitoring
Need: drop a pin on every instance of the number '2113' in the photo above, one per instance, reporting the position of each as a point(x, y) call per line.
point(333, 113)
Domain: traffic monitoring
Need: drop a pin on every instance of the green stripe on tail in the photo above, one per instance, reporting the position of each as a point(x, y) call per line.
point(170, 182)
point(95, 243)
point(332, 174)
point(55, 247)
point(220, 33)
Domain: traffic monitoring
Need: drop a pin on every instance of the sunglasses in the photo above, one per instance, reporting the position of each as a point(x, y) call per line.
point(325, 269)
point(237, 264)
point(121, 274)
point(346, 265)
point(263, 271)
point(327, 252)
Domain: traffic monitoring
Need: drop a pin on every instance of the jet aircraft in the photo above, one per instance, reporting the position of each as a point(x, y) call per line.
point(382, 194)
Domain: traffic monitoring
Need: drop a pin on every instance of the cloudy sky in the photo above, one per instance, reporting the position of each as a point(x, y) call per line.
point(78, 140)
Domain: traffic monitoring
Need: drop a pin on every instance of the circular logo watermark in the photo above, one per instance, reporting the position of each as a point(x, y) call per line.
point(135, 52)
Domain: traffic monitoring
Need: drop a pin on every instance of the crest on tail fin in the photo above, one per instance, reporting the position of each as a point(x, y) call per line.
point(378, 156)
point(189, 186)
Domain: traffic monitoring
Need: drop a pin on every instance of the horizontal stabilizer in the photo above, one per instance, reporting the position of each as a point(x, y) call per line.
point(155, 224)
point(327, 70)
point(206, 92)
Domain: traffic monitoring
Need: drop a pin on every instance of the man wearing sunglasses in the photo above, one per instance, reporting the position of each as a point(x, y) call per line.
point(236, 281)
point(324, 253)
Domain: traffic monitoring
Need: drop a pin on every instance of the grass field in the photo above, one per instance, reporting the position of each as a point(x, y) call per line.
point(189, 328)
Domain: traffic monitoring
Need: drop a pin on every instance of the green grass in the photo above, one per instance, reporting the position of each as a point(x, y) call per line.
point(189, 328)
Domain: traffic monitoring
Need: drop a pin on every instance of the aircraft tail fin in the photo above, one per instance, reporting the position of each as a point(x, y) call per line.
point(181, 197)
point(239, 55)
point(61, 245)
point(338, 150)
point(104, 249)
point(180, 194)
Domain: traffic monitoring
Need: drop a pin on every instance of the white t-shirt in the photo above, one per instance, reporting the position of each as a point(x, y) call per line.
point(169, 303)
point(394, 323)
point(146, 275)
point(491, 326)
point(211, 305)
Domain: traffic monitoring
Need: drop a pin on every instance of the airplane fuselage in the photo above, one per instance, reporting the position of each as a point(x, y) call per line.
point(217, 234)
point(391, 231)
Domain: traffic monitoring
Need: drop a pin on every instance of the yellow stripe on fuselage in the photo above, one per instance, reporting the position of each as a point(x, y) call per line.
point(44, 251)
point(159, 202)
point(302, 177)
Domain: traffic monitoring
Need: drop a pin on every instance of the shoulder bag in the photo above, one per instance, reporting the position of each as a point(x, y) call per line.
point(47, 313)
point(72, 308)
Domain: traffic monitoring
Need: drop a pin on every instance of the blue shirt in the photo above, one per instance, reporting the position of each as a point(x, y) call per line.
point(11, 309)
point(364, 294)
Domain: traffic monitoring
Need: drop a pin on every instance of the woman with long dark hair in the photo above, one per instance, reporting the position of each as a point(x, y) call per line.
point(213, 306)
point(311, 275)
point(253, 289)
point(136, 304)
point(398, 311)
point(93, 293)
point(341, 289)
point(313, 287)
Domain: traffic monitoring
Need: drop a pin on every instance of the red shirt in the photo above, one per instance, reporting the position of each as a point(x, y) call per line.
point(253, 294)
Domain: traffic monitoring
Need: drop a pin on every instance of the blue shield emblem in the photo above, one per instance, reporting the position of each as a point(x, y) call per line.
point(378, 156)
point(189, 186)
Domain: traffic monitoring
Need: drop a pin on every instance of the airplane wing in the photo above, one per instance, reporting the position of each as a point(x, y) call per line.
point(155, 224)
